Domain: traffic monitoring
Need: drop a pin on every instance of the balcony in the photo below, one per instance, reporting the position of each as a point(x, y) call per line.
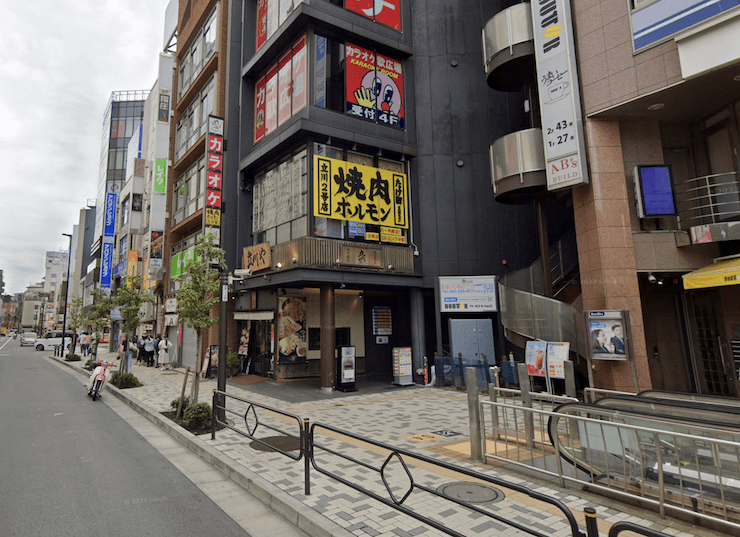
point(508, 48)
point(518, 166)
point(709, 207)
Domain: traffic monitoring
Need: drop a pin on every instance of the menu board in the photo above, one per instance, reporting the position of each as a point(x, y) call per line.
point(557, 354)
point(402, 366)
point(535, 354)
point(382, 321)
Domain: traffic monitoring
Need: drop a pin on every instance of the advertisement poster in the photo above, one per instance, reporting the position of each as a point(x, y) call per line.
point(534, 356)
point(357, 193)
point(374, 92)
point(300, 54)
point(271, 96)
point(467, 294)
point(320, 73)
point(557, 353)
point(259, 110)
point(272, 17)
point(606, 335)
point(284, 85)
point(160, 175)
point(292, 342)
point(261, 23)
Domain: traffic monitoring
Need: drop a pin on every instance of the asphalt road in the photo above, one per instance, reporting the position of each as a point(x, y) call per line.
point(71, 466)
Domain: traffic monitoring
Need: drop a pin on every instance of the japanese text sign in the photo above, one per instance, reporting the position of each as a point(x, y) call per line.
point(374, 86)
point(466, 294)
point(259, 110)
point(256, 257)
point(160, 175)
point(345, 191)
point(387, 12)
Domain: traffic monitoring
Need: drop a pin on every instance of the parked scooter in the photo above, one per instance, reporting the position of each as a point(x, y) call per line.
point(97, 380)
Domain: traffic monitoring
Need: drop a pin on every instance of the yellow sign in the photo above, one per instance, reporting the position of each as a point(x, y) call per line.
point(392, 234)
point(372, 236)
point(213, 217)
point(346, 191)
point(132, 268)
point(717, 274)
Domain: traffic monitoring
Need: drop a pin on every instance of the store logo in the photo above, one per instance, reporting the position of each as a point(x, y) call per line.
point(549, 22)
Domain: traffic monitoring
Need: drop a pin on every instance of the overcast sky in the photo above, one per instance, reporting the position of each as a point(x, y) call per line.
point(60, 61)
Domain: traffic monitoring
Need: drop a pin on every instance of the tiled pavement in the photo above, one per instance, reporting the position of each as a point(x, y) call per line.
point(395, 416)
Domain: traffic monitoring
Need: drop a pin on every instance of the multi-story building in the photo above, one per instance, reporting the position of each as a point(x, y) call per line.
point(55, 267)
point(198, 92)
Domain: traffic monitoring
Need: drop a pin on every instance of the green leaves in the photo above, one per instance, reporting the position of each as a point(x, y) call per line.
point(129, 300)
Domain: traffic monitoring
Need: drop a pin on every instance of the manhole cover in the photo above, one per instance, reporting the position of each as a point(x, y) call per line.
point(274, 443)
point(471, 492)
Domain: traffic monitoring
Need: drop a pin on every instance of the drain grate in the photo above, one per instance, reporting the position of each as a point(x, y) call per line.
point(275, 443)
point(471, 492)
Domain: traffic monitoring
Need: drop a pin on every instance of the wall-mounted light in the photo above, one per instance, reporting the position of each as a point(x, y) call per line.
point(380, 152)
point(328, 141)
point(337, 261)
point(342, 286)
point(359, 296)
point(295, 260)
point(354, 147)
point(390, 267)
point(279, 265)
point(266, 277)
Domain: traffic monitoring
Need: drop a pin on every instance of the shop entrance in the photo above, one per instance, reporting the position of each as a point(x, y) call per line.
point(256, 346)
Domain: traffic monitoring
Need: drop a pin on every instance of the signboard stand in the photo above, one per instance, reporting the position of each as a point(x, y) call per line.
point(402, 375)
point(346, 371)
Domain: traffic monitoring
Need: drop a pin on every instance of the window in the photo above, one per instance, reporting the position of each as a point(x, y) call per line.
point(194, 121)
point(202, 48)
point(125, 210)
point(189, 192)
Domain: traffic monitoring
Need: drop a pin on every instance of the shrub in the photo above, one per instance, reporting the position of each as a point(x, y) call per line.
point(175, 402)
point(196, 416)
point(232, 360)
point(127, 380)
point(71, 357)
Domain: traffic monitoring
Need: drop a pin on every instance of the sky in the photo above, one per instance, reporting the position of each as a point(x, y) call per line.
point(60, 62)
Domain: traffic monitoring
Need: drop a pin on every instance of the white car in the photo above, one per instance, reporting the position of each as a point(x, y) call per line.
point(51, 339)
point(28, 339)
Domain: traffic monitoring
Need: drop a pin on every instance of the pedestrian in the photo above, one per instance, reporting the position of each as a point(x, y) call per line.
point(149, 350)
point(122, 348)
point(85, 347)
point(132, 351)
point(140, 354)
point(164, 352)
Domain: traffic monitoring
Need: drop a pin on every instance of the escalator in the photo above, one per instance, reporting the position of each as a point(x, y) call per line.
point(680, 449)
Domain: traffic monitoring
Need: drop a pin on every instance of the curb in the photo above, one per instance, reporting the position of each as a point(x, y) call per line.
point(288, 507)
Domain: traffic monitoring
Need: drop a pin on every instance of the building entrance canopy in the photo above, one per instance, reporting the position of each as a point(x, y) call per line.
point(715, 275)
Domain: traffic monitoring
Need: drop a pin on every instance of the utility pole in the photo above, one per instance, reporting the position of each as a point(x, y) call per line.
point(66, 293)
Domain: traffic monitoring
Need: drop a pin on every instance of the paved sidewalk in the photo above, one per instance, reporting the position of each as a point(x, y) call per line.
point(412, 418)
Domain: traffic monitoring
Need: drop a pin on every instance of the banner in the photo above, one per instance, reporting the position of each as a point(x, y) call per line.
point(261, 23)
point(292, 330)
point(345, 191)
point(160, 176)
point(271, 82)
point(386, 12)
point(300, 53)
point(374, 86)
point(259, 110)
point(284, 85)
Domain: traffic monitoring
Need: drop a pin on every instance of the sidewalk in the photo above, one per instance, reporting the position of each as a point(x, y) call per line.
point(412, 418)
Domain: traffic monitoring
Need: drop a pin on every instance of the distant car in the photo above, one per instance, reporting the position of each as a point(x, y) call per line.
point(51, 339)
point(28, 339)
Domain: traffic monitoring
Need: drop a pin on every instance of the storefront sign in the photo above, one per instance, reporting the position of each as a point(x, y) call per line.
point(360, 256)
point(214, 150)
point(300, 55)
point(557, 354)
point(256, 257)
point(160, 176)
point(345, 191)
point(356, 229)
point(392, 234)
point(535, 358)
point(285, 81)
point(171, 319)
point(271, 95)
point(467, 294)
point(386, 12)
point(560, 100)
point(170, 305)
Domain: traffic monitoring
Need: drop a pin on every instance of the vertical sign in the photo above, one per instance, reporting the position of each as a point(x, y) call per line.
point(109, 229)
point(284, 85)
point(320, 73)
point(259, 110)
point(215, 150)
point(387, 12)
point(272, 17)
point(160, 176)
point(389, 74)
point(163, 113)
point(271, 90)
point(261, 23)
point(132, 268)
point(300, 52)
point(560, 100)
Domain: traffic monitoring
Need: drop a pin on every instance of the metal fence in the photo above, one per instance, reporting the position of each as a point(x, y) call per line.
point(694, 471)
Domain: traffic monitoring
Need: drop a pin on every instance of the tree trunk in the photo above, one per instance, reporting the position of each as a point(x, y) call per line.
point(182, 394)
point(198, 369)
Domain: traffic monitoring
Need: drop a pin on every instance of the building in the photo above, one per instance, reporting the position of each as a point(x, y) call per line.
point(55, 266)
point(198, 92)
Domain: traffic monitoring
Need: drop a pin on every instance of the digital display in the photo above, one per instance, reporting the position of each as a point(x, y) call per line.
point(657, 190)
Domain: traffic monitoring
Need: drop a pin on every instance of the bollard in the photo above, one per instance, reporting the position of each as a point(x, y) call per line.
point(471, 381)
point(306, 457)
point(592, 525)
point(493, 397)
point(213, 415)
point(525, 388)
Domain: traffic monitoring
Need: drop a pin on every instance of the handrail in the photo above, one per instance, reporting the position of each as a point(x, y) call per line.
point(590, 394)
point(710, 196)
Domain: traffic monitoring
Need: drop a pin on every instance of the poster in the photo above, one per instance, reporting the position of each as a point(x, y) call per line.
point(261, 23)
point(259, 110)
point(374, 86)
point(271, 97)
point(300, 54)
point(284, 85)
point(244, 339)
point(292, 342)
point(607, 339)
point(557, 354)
point(535, 355)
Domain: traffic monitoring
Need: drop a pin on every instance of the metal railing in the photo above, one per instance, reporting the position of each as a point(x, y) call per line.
point(383, 459)
point(708, 200)
point(590, 395)
point(694, 472)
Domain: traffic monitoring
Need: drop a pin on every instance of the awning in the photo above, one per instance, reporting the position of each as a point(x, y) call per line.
point(714, 275)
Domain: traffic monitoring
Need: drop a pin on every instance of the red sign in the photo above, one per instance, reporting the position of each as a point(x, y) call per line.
point(213, 198)
point(284, 86)
point(215, 144)
point(215, 162)
point(259, 110)
point(374, 86)
point(261, 23)
point(214, 179)
point(271, 99)
point(300, 52)
point(387, 12)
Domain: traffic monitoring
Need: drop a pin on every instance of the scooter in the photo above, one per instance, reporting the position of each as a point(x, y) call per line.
point(97, 380)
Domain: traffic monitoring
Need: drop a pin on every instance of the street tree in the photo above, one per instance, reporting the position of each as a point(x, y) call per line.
point(76, 320)
point(198, 294)
point(97, 316)
point(128, 300)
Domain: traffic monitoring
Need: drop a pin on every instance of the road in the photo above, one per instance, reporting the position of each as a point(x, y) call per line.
point(71, 466)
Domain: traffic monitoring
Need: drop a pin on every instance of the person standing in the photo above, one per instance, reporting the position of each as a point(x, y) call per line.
point(85, 346)
point(164, 352)
point(149, 350)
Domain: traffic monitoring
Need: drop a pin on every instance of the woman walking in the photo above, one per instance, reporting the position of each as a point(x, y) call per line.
point(163, 359)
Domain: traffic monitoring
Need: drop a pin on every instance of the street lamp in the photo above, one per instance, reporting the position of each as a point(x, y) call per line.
point(66, 292)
